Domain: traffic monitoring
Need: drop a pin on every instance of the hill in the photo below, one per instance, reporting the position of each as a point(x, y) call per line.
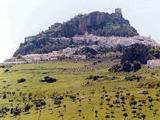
point(108, 79)
point(59, 36)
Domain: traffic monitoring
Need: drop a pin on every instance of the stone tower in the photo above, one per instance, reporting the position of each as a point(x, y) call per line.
point(118, 10)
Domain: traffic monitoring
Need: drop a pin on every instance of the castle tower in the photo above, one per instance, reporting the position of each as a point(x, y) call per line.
point(118, 10)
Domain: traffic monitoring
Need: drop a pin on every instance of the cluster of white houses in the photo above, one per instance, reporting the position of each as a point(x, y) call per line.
point(55, 55)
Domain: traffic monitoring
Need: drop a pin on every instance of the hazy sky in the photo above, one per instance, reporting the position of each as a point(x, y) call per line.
point(21, 18)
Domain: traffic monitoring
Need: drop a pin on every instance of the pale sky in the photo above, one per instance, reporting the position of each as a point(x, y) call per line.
point(21, 18)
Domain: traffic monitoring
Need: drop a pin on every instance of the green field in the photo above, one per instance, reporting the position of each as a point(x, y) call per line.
point(72, 97)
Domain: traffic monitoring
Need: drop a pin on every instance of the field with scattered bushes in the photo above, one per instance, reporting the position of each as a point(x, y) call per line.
point(73, 90)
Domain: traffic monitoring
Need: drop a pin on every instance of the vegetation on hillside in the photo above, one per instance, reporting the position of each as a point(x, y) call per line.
point(83, 90)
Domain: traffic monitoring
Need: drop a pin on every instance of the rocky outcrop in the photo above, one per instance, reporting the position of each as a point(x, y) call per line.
point(136, 52)
point(97, 23)
point(60, 35)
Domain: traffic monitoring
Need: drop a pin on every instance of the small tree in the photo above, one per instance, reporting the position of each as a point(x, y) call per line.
point(143, 116)
point(64, 106)
point(96, 113)
point(80, 111)
point(125, 116)
point(127, 66)
point(136, 66)
point(111, 106)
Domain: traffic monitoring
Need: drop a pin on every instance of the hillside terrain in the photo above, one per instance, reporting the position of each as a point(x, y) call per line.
point(83, 90)
point(93, 67)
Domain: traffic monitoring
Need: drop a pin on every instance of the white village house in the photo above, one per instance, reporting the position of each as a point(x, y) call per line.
point(153, 63)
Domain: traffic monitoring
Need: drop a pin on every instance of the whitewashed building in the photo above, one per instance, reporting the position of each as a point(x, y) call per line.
point(153, 63)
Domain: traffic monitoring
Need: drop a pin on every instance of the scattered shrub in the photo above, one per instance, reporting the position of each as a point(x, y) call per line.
point(5, 66)
point(133, 78)
point(115, 68)
point(96, 77)
point(127, 67)
point(136, 66)
point(15, 111)
point(39, 103)
point(48, 79)
point(144, 92)
point(59, 97)
point(2, 66)
point(6, 70)
point(149, 85)
point(21, 80)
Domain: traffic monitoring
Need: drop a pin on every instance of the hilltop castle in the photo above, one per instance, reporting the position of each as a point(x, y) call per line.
point(118, 10)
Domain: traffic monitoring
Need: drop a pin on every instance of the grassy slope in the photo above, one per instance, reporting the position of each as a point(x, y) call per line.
point(71, 78)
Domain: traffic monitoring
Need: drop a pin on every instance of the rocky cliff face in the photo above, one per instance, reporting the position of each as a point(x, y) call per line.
point(97, 23)
point(60, 36)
